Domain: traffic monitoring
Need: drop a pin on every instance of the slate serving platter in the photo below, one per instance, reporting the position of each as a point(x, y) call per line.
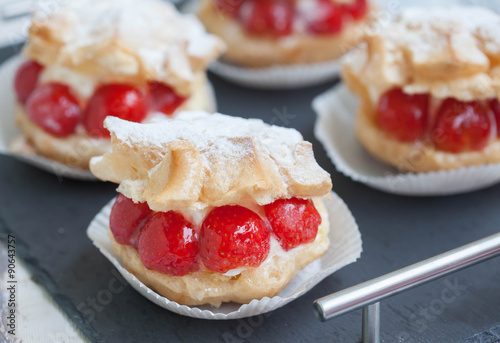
point(49, 217)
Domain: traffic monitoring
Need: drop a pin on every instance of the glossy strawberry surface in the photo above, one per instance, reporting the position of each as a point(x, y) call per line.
point(403, 116)
point(26, 80)
point(294, 221)
point(168, 243)
point(127, 219)
point(462, 126)
point(53, 107)
point(233, 237)
point(163, 98)
point(117, 100)
point(274, 17)
point(357, 9)
point(329, 18)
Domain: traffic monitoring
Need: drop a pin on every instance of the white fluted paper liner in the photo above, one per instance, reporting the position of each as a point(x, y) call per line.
point(279, 76)
point(335, 128)
point(345, 248)
point(9, 132)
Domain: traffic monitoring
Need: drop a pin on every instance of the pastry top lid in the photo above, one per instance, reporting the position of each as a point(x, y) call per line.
point(447, 51)
point(129, 40)
point(200, 160)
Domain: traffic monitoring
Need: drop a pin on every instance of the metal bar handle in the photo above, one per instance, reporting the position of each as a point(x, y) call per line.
point(375, 290)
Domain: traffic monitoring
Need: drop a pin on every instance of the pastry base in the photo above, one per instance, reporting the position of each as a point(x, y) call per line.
point(206, 287)
point(413, 157)
point(417, 157)
point(264, 51)
point(77, 150)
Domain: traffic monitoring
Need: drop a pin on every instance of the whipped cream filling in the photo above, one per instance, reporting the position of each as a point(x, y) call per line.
point(84, 85)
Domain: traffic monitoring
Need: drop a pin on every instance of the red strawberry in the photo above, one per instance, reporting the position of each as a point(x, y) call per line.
point(53, 107)
point(403, 116)
point(163, 98)
point(117, 100)
point(462, 126)
point(169, 244)
point(127, 218)
point(232, 237)
point(328, 19)
point(294, 221)
point(273, 17)
point(357, 8)
point(26, 79)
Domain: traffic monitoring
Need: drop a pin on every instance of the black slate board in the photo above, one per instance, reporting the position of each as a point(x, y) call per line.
point(49, 217)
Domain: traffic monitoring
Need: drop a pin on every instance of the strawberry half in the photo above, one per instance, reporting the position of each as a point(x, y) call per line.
point(117, 100)
point(163, 98)
point(169, 244)
point(127, 218)
point(26, 79)
point(54, 108)
point(233, 237)
point(294, 221)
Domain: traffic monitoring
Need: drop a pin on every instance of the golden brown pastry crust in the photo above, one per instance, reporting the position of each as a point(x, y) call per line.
point(257, 52)
point(443, 68)
point(206, 287)
point(447, 52)
point(201, 160)
point(76, 150)
point(123, 41)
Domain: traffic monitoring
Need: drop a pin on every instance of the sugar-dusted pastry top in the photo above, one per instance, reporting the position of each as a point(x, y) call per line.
point(447, 52)
point(200, 160)
point(123, 40)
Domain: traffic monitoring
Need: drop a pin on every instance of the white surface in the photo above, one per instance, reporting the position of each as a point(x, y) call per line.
point(336, 110)
point(278, 77)
point(9, 131)
point(345, 248)
point(38, 318)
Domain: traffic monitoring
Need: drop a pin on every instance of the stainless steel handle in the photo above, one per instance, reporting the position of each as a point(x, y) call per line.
point(375, 290)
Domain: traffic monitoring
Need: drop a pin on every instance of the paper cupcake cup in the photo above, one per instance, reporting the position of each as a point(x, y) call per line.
point(279, 76)
point(335, 128)
point(10, 133)
point(345, 248)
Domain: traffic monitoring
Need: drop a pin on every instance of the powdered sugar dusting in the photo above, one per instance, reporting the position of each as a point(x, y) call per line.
point(163, 40)
point(443, 51)
point(211, 133)
point(426, 32)
point(200, 160)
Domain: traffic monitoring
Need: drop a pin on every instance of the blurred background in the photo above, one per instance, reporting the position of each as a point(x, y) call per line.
point(15, 19)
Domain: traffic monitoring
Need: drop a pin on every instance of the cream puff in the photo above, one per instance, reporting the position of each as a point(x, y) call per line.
point(429, 89)
point(87, 59)
point(214, 208)
point(261, 33)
